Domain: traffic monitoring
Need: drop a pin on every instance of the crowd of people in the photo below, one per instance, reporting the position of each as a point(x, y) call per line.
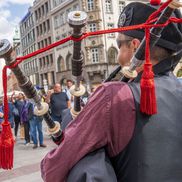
point(21, 112)
point(21, 116)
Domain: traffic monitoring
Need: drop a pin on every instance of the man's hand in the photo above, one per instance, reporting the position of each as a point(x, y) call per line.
point(47, 98)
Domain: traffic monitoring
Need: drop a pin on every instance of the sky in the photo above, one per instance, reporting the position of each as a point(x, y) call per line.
point(11, 13)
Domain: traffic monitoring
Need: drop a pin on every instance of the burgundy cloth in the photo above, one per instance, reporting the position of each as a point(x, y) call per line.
point(107, 120)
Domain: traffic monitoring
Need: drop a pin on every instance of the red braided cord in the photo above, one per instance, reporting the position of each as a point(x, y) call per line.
point(100, 32)
point(146, 25)
point(161, 8)
point(6, 109)
point(147, 47)
point(41, 50)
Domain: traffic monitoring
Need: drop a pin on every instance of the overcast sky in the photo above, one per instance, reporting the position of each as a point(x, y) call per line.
point(11, 11)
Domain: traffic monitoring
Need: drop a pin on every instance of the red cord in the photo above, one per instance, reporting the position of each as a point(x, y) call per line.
point(6, 109)
point(148, 24)
point(147, 47)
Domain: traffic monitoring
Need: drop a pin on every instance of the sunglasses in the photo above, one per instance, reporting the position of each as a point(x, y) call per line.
point(120, 42)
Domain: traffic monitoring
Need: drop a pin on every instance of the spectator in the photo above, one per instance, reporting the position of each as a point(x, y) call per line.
point(25, 116)
point(36, 126)
point(18, 104)
point(69, 83)
point(58, 102)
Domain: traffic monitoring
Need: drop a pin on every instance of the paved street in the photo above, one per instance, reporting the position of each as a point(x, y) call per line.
point(26, 162)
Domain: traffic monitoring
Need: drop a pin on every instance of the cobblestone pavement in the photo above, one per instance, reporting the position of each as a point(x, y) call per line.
point(27, 162)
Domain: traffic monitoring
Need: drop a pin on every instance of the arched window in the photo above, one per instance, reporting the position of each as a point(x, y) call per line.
point(112, 55)
point(60, 64)
point(68, 61)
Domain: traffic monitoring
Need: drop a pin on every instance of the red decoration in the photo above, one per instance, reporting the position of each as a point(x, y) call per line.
point(6, 137)
point(148, 99)
point(6, 146)
point(155, 2)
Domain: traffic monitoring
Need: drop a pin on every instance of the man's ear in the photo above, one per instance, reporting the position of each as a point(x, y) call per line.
point(135, 44)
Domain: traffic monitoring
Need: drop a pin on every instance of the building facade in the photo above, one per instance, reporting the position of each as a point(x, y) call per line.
point(44, 37)
point(28, 45)
point(99, 52)
point(49, 24)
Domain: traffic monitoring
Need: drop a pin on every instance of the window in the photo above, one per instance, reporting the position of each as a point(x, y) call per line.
point(47, 60)
point(60, 64)
point(43, 12)
point(48, 25)
point(40, 61)
point(44, 61)
point(37, 31)
point(62, 19)
point(95, 55)
point(49, 40)
point(51, 58)
point(39, 45)
point(90, 5)
point(110, 26)
point(108, 6)
point(36, 15)
point(121, 6)
point(56, 22)
point(92, 27)
point(46, 7)
point(41, 30)
point(39, 13)
point(45, 42)
point(68, 61)
point(44, 27)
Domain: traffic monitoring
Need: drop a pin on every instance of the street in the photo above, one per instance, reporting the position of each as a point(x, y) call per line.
point(27, 162)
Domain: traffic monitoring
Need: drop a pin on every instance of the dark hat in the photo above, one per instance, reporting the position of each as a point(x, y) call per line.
point(137, 13)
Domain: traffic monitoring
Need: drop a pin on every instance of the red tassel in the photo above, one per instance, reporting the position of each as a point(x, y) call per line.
point(6, 146)
point(6, 137)
point(155, 2)
point(147, 99)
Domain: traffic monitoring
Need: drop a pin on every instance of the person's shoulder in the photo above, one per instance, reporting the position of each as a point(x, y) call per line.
point(112, 90)
point(63, 93)
point(116, 86)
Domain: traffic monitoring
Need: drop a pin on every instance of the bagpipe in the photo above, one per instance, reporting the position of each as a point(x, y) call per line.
point(77, 20)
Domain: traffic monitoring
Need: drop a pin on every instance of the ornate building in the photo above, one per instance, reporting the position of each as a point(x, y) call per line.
point(46, 22)
point(99, 52)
